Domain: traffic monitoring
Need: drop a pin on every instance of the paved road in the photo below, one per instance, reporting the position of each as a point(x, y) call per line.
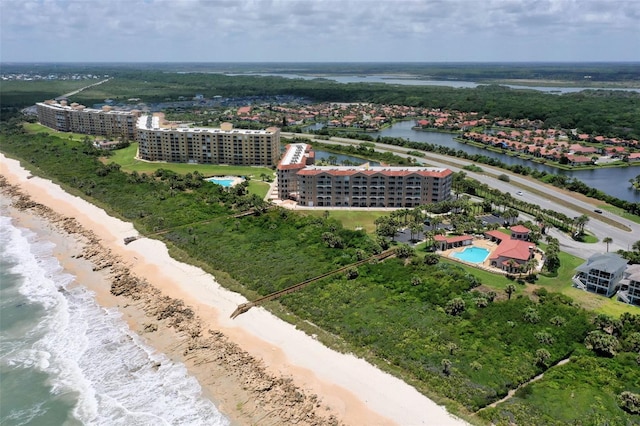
point(622, 238)
point(66, 95)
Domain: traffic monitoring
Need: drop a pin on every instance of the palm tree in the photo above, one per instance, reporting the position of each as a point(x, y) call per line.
point(435, 221)
point(510, 214)
point(580, 222)
point(607, 241)
point(510, 289)
point(531, 265)
point(416, 229)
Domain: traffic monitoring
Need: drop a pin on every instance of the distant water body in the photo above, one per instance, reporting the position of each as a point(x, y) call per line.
point(65, 360)
point(388, 79)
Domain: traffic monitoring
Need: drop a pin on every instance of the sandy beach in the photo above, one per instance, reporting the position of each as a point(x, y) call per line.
point(257, 368)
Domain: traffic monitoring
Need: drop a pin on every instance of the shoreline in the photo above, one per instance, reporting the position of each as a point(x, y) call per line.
point(256, 368)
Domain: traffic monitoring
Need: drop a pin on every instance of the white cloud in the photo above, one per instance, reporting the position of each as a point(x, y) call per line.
point(325, 30)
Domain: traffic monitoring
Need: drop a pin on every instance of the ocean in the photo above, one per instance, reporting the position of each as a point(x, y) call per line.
point(65, 360)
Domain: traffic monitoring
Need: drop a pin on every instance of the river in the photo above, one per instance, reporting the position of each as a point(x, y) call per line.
point(389, 79)
point(613, 181)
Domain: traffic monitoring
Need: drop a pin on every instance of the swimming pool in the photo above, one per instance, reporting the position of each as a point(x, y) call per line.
point(226, 182)
point(472, 254)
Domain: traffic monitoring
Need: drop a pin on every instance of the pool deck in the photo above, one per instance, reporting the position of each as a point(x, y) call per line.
point(486, 265)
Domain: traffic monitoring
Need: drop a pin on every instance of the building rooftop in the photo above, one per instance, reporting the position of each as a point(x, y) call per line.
point(295, 155)
point(368, 170)
point(454, 239)
point(77, 107)
point(605, 262)
point(514, 249)
point(147, 122)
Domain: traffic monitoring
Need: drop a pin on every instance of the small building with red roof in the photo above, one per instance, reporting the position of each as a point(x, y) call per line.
point(511, 254)
point(446, 243)
point(520, 232)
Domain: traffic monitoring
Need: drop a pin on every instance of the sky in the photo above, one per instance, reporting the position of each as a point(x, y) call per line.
point(319, 30)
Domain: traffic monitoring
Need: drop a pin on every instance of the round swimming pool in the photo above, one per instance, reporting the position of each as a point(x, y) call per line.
point(472, 254)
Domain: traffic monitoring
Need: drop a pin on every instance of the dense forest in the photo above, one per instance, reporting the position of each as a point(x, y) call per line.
point(604, 112)
point(454, 337)
point(594, 72)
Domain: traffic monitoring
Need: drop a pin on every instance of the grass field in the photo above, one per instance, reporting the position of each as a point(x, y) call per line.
point(351, 219)
point(39, 128)
point(560, 284)
point(620, 212)
point(126, 158)
point(24, 93)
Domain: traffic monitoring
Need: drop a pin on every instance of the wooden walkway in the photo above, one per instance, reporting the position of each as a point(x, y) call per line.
point(244, 307)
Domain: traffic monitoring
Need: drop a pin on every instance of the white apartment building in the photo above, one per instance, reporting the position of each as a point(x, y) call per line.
point(203, 145)
point(80, 119)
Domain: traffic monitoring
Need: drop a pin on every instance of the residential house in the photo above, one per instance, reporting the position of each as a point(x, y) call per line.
point(630, 285)
point(601, 273)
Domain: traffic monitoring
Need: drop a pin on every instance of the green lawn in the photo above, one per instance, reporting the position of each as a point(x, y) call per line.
point(39, 128)
point(126, 158)
point(351, 219)
point(560, 284)
point(620, 212)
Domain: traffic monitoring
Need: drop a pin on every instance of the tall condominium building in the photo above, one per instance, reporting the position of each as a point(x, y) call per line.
point(205, 145)
point(296, 157)
point(80, 119)
point(360, 186)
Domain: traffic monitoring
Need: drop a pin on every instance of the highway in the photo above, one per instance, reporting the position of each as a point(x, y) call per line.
point(544, 195)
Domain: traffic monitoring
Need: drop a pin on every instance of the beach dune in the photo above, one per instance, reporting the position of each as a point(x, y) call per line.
point(256, 367)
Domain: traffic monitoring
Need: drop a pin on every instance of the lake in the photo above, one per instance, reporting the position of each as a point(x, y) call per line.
point(613, 181)
point(389, 79)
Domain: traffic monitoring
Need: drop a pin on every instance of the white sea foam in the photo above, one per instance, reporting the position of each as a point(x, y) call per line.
point(90, 352)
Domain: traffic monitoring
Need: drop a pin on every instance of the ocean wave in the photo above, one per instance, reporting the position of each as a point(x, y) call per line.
point(89, 351)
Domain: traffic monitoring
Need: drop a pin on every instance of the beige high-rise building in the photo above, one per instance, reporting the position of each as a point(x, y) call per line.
point(358, 186)
point(201, 145)
point(161, 142)
point(80, 119)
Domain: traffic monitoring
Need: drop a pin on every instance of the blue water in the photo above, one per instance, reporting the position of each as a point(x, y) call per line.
point(389, 79)
point(613, 181)
point(64, 360)
point(472, 254)
point(223, 182)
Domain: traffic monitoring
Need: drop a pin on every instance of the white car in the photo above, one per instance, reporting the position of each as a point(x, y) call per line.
point(519, 193)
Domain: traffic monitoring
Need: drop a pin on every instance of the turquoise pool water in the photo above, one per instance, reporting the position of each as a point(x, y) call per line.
point(472, 254)
point(220, 181)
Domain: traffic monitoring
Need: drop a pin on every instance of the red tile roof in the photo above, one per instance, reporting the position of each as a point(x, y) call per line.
point(514, 249)
point(438, 173)
point(520, 229)
point(497, 234)
point(455, 239)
